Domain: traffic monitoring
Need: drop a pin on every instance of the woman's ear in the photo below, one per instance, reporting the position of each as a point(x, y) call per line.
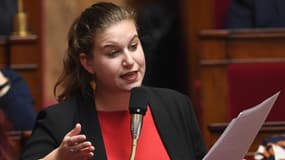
point(86, 63)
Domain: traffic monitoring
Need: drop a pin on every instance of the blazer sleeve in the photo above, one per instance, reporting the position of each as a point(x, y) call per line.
point(49, 130)
point(42, 140)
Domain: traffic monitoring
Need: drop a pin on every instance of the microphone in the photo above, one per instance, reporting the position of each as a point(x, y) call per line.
point(137, 108)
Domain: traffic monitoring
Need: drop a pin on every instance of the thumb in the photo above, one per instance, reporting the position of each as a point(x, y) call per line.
point(75, 131)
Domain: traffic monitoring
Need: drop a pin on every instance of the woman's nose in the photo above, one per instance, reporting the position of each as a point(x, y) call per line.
point(128, 60)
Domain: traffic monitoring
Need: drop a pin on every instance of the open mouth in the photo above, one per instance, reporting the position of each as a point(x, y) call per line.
point(130, 76)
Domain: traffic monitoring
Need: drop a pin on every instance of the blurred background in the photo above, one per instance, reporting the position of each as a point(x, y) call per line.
point(187, 48)
point(169, 27)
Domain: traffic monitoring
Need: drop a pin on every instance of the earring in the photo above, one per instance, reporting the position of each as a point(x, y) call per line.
point(93, 84)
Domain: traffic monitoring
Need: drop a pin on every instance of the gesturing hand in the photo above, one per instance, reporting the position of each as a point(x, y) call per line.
point(73, 147)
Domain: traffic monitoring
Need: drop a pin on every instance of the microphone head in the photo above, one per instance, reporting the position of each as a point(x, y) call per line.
point(138, 101)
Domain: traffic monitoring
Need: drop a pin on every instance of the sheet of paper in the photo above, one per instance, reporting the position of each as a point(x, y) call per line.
point(235, 141)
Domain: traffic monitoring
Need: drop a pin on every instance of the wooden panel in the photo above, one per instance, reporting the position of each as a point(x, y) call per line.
point(33, 9)
point(222, 47)
point(195, 16)
point(213, 103)
point(24, 51)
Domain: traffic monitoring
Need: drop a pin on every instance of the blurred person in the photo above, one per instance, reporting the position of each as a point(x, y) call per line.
point(256, 14)
point(161, 33)
point(8, 10)
point(271, 148)
point(93, 121)
point(16, 100)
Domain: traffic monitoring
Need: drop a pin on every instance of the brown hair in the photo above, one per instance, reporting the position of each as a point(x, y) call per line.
point(96, 18)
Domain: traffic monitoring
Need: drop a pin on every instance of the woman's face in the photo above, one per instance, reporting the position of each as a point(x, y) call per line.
point(118, 59)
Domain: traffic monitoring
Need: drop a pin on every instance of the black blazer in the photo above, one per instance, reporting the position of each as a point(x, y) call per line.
point(173, 115)
point(256, 14)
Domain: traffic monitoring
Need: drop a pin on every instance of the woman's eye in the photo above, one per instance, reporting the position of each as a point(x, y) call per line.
point(133, 46)
point(114, 52)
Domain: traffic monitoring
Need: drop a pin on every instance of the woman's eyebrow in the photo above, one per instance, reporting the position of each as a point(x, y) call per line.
point(113, 44)
point(134, 37)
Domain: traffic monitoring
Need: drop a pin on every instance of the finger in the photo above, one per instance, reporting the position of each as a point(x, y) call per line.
point(68, 137)
point(84, 153)
point(88, 149)
point(84, 156)
point(76, 139)
point(83, 146)
point(87, 153)
point(75, 131)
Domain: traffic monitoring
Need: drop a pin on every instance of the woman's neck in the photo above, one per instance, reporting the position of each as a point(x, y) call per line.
point(107, 101)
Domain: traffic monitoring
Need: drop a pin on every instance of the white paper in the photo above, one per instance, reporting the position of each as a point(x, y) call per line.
point(235, 141)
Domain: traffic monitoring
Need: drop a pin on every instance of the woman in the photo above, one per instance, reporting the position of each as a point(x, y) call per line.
point(93, 122)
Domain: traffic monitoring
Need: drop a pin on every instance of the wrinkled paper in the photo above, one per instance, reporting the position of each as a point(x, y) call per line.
point(235, 141)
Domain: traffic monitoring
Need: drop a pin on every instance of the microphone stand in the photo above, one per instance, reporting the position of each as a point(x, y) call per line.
point(134, 148)
point(136, 124)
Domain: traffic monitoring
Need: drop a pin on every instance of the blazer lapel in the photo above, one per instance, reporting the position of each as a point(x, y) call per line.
point(163, 123)
point(91, 127)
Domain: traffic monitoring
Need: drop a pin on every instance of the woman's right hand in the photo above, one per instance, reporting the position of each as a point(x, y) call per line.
point(73, 147)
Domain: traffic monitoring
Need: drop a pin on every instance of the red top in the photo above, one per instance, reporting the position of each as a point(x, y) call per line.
point(115, 127)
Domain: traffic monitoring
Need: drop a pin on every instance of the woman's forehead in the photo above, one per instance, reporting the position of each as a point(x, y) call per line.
point(121, 32)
